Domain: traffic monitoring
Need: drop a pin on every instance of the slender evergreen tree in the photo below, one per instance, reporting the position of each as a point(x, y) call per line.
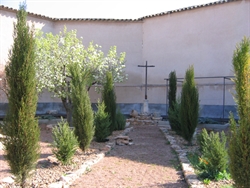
point(109, 98)
point(172, 89)
point(189, 109)
point(120, 120)
point(102, 123)
point(174, 105)
point(20, 125)
point(239, 147)
point(83, 117)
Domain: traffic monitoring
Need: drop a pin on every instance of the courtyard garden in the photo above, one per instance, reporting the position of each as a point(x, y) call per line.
point(35, 154)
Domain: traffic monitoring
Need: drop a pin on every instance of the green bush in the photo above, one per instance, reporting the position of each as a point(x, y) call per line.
point(20, 125)
point(174, 105)
point(172, 89)
point(109, 98)
point(65, 142)
point(102, 123)
point(83, 116)
point(174, 117)
point(239, 144)
point(189, 109)
point(214, 156)
point(120, 120)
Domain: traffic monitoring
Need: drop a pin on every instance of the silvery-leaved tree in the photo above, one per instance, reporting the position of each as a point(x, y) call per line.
point(56, 52)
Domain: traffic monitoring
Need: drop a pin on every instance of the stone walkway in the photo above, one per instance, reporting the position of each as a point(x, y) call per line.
point(187, 169)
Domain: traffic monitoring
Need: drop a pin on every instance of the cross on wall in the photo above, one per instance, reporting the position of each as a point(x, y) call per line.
point(146, 77)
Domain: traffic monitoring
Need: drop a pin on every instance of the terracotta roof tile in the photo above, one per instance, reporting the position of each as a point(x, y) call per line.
point(123, 20)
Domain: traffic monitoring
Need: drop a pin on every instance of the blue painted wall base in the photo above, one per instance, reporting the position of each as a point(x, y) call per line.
point(207, 111)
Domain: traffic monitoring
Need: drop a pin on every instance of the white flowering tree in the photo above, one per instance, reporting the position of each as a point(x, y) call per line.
point(55, 52)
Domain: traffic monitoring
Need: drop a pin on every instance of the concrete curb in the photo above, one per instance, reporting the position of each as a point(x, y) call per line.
point(188, 171)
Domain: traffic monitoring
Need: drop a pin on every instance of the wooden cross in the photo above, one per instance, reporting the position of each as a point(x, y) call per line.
point(146, 77)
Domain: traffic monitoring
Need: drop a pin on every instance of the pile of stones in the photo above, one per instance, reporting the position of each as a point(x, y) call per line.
point(143, 119)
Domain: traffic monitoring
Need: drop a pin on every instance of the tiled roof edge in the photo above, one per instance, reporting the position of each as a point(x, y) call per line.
point(188, 8)
point(29, 13)
point(70, 19)
point(124, 20)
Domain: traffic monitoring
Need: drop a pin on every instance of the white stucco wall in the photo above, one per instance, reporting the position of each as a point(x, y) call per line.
point(203, 37)
point(126, 36)
point(7, 20)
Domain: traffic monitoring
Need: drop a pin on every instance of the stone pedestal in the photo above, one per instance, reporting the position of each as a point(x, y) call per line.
point(145, 107)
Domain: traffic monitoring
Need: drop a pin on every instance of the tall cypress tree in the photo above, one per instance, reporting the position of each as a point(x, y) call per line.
point(174, 105)
point(83, 117)
point(172, 89)
point(189, 109)
point(20, 125)
point(239, 147)
point(109, 98)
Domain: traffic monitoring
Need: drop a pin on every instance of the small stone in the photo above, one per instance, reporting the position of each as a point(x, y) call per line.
point(8, 180)
point(56, 185)
point(107, 148)
point(50, 127)
point(1, 146)
point(66, 179)
point(134, 113)
point(53, 160)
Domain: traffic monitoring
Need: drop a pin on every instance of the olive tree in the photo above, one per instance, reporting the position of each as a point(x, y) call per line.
point(55, 52)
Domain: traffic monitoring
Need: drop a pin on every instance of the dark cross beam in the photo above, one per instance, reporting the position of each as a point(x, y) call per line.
point(146, 77)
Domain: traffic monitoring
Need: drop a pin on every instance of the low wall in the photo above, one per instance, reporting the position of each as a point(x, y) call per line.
point(206, 111)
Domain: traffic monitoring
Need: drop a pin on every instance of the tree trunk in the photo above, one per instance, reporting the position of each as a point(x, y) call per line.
point(68, 108)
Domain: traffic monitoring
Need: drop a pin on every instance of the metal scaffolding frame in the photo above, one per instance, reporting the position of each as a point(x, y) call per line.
point(205, 77)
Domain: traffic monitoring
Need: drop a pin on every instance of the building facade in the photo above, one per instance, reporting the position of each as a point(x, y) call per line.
point(204, 36)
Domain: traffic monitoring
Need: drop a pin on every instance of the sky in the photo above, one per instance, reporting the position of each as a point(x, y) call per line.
point(117, 9)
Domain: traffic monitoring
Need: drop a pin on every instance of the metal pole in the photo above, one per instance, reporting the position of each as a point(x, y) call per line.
point(146, 81)
point(224, 87)
point(166, 98)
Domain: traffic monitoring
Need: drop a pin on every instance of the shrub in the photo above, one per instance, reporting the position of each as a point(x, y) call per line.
point(65, 142)
point(239, 144)
point(120, 120)
point(189, 109)
point(214, 157)
point(109, 98)
point(172, 89)
point(20, 125)
point(101, 123)
point(83, 117)
point(174, 105)
point(174, 117)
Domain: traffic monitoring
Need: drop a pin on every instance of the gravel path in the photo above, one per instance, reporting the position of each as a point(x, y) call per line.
point(149, 162)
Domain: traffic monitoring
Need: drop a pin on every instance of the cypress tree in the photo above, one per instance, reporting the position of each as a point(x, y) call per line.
point(172, 89)
point(109, 98)
point(239, 145)
point(20, 125)
point(83, 117)
point(102, 123)
point(174, 105)
point(120, 120)
point(189, 109)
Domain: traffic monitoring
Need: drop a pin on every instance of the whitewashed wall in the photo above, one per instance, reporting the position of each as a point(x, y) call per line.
point(204, 37)
point(126, 36)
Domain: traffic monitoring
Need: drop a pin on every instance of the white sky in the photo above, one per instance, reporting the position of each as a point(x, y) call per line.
point(118, 9)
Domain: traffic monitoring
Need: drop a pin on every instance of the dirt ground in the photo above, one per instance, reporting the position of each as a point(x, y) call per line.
point(149, 162)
